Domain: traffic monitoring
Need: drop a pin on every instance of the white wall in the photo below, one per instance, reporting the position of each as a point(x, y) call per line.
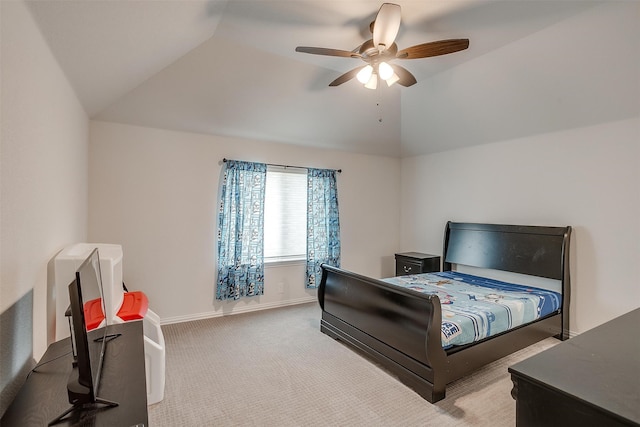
point(44, 166)
point(578, 72)
point(562, 127)
point(588, 178)
point(155, 192)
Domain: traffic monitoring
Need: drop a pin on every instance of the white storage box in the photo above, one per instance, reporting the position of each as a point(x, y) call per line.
point(154, 354)
point(65, 265)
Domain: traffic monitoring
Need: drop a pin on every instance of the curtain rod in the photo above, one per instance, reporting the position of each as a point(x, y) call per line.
point(224, 160)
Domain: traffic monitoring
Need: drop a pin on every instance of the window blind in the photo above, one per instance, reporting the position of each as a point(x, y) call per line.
point(285, 216)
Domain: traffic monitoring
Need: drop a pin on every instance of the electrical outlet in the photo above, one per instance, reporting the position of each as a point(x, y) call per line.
point(281, 288)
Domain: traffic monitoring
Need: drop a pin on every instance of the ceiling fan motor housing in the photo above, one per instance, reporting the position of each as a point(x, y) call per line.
point(370, 53)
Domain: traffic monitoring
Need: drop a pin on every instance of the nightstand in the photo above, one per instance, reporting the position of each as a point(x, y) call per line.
point(416, 263)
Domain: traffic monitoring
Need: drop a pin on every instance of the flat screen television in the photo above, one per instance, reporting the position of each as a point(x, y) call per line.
point(88, 342)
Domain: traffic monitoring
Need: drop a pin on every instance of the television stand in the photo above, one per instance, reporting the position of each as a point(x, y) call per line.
point(83, 406)
point(81, 397)
point(43, 397)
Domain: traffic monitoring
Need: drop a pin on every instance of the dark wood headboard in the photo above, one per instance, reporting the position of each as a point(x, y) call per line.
point(533, 250)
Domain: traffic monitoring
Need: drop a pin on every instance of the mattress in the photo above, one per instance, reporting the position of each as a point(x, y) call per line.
point(476, 307)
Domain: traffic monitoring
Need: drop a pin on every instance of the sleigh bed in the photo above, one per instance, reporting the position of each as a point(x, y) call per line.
point(401, 329)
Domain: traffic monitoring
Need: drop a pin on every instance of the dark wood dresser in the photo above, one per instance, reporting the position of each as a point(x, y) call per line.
point(416, 262)
point(590, 380)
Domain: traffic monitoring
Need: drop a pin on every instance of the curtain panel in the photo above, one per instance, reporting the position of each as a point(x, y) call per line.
point(241, 231)
point(323, 224)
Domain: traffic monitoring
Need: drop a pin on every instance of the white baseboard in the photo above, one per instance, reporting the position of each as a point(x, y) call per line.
point(247, 309)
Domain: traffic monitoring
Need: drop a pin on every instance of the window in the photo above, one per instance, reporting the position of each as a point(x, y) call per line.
point(274, 214)
point(285, 214)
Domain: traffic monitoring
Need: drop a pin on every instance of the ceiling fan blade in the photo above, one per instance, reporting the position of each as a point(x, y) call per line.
point(327, 51)
point(442, 47)
point(386, 25)
point(346, 76)
point(406, 78)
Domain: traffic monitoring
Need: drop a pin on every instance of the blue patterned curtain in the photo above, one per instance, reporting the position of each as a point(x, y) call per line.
point(241, 231)
point(323, 224)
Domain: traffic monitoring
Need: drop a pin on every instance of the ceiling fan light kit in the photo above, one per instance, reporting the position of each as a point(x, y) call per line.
point(373, 82)
point(385, 71)
point(392, 80)
point(364, 75)
point(379, 51)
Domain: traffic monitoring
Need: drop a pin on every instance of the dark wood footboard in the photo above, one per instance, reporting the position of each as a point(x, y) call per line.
point(398, 328)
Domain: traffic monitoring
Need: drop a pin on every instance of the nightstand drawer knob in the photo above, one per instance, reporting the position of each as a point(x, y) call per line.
point(407, 268)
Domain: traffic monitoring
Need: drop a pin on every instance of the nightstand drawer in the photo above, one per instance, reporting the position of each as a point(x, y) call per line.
point(404, 267)
point(416, 263)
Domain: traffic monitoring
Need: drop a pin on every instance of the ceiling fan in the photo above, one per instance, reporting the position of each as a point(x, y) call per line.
point(379, 51)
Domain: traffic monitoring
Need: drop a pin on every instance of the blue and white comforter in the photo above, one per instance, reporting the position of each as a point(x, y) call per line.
point(477, 307)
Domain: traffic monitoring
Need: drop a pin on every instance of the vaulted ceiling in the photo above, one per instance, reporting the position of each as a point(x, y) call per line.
point(230, 67)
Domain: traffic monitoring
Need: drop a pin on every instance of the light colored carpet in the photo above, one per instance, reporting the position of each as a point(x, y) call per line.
point(275, 368)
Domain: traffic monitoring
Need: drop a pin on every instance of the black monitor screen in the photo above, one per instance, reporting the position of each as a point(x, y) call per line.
point(89, 279)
